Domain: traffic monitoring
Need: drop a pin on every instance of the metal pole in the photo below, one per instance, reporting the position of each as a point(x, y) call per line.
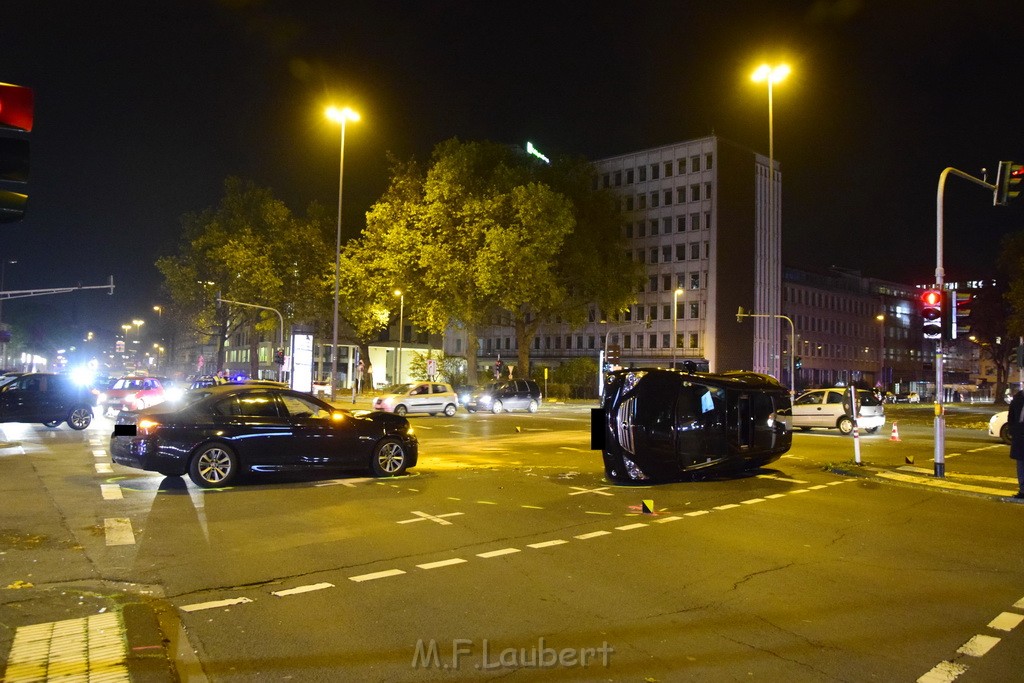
point(675, 332)
point(401, 330)
point(939, 468)
point(337, 263)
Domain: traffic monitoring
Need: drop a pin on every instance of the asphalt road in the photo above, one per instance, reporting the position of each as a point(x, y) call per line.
point(506, 554)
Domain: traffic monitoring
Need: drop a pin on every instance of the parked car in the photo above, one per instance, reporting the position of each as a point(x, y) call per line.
point(133, 392)
point(217, 433)
point(999, 428)
point(47, 398)
point(510, 394)
point(830, 408)
point(908, 397)
point(418, 397)
point(660, 424)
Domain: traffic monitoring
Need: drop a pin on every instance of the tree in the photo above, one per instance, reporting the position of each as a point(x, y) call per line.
point(990, 316)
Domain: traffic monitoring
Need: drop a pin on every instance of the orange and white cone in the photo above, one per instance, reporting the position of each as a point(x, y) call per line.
point(895, 433)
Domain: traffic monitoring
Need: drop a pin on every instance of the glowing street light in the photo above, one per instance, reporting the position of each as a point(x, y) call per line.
point(339, 116)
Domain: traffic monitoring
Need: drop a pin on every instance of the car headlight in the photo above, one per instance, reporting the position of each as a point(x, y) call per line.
point(485, 399)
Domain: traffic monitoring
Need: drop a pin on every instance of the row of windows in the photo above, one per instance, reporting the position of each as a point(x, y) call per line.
point(666, 252)
point(570, 342)
point(654, 171)
point(630, 341)
point(691, 280)
point(650, 226)
point(642, 312)
point(640, 202)
point(832, 302)
point(845, 328)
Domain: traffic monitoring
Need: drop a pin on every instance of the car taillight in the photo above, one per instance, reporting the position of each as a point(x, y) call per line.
point(147, 426)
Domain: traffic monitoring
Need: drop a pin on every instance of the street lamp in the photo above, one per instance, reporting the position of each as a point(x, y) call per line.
point(881, 350)
point(339, 116)
point(771, 74)
point(675, 314)
point(3, 268)
point(401, 330)
point(159, 312)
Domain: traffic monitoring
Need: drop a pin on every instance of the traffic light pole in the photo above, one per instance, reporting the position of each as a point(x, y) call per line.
point(940, 274)
point(280, 337)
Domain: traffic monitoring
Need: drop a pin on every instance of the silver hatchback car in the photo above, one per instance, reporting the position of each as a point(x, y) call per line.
point(830, 408)
point(418, 397)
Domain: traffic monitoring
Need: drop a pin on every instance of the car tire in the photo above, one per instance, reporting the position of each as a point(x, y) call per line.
point(496, 407)
point(450, 409)
point(845, 425)
point(533, 406)
point(80, 418)
point(1004, 434)
point(52, 424)
point(213, 465)
point(470, 411)
point(871, 430)
point(401, 410)
point(389, 458)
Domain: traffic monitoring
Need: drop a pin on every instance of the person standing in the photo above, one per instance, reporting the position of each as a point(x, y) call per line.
point(1016, 421)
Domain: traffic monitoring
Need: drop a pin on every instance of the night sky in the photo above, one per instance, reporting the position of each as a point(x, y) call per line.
point(144, 108)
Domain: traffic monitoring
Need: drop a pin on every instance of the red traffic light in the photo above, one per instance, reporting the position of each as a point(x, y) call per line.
point(16, 107)
point(931, 297)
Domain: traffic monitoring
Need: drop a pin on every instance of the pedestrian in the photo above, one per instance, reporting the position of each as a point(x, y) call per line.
point(1016, 421)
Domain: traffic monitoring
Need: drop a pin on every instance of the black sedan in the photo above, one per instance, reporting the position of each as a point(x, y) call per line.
point(217, 433)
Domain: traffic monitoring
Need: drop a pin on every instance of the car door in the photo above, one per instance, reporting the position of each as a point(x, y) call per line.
point(23, 400)
point(321, 436)
point(807, 409)
point(420, 400)
point(258, 429)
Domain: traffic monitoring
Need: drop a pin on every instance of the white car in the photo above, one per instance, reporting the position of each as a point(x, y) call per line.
point(998, 427)
point(830, 408)
point(418, 397)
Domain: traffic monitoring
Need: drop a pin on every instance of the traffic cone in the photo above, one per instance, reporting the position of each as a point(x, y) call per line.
point(895, 433)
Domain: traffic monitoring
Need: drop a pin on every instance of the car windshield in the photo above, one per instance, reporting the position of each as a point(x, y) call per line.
point(400, 388)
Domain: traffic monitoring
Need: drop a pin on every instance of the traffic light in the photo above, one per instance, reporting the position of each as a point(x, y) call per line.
point(931, 312)
point(614, 353)
point(798, 363)
point(16, 110)
point(1008, 181)
point(279, 356)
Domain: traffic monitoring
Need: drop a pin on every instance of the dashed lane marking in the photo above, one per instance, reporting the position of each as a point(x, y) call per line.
point(214, 604)
point(571, 448)
point(943, 483)
point(303, 589)
point(978, 646)
point(104, 468)
point(531, 507)
point(111, 492)
point(775, 477)
point(547, 544)
point(697, 513)
point(351, 483)
point(442, 563)
point(592, 534)
point(671, 518)
point(630, 527)
point(376, 575)
point(499, 553)
point(752, 501)
point(99, 453)
point(727, 506)
point(118, 531)
point(1007, 621)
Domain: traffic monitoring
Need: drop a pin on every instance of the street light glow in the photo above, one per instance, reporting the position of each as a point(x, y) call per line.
point(341, 115)
point(771, 74)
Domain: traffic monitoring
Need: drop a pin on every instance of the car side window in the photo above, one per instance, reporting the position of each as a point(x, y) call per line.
point(420, 389)
point(809, 400)
point(440, 389)
point(299, 407)
point(835, 397)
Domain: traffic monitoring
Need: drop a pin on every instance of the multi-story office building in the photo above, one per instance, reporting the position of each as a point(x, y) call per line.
point(696, 214)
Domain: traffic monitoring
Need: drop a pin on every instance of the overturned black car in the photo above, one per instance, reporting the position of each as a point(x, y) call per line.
point(659, 424)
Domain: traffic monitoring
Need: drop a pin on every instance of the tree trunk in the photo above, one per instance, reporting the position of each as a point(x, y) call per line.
point(471, 344)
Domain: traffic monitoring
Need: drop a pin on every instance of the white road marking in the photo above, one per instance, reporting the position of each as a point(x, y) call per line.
point(601, 491)
point(104, 468)
point(799, 491)
point(752, 501)
point(351, 483)
point(214, 604)
point(111, 492)
point(630, 527)
point(442, 563)
point(943, 483)
point(774, 477)
point(776, 495)
point(1007, 621)
point(570, 448)
point(421, 516)
point(376, 575)
point(727, 506)
point(978, 646)
point(592, 534)
point(99, 453)
point(303, 589)
point(486, 502)
point(672, 518)
point(595, 512)
point(815, 488)
point(1019, 604)
point(943, 672)
point(531, 507)
point(499, 553)
point(547, 544)
point(118, 531)
point(696, 513)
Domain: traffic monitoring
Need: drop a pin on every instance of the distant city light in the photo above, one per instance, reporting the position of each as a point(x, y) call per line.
point(530, 149)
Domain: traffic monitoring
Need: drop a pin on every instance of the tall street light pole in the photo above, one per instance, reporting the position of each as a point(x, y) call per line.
point(339, 116)
point(772, 74)
point(401, 331)
point(3, 346)
point(675, 315)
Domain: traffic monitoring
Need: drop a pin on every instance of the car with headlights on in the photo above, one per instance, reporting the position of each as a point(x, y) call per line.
point(999, 427)
point(831, 409)
point(132, 392)
point(216, 434)
point(418, 397)
point(511, 394)
point(657, 424)
point(48, 398)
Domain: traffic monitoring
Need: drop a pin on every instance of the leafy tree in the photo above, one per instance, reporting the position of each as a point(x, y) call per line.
point(990, 320)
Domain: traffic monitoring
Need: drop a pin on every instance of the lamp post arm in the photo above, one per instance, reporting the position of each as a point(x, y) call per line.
point(265, 308)
point(792, 343)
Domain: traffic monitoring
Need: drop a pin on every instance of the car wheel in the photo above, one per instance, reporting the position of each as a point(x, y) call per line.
point(450, 409)
point(401, 410)
point(845, 425)
point(213, 465)
point(1004, 434)
point(532, 407)
point(470, 410)
point(389, 459)
point(52, 423)
point(871, 430)
point(496, 407)
point(80, 418)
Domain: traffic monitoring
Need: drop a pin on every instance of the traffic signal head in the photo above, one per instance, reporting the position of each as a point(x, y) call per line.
point(1008, 182)
point(16, 113)
point(931, 313)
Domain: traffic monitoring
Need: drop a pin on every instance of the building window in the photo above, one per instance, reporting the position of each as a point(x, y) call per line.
point(694, 250)
point(654, 254)
point(707, 161)
point(653, 341)
point(606, 180)
point(458, 345)
point(693, 341)
point(618, 179)
point(707, 190)
point(641, 256)
point(666, 254)
point(680, 252)
point(666, 281)
point(707, 220)
point(654, 313)
point(680, 195)
point(694, 222)
point(640, 337)
point(666, 339)
point(681, 280)
point(653, 282)
point(680, 223)
point(707, 249)
point(641, 201)
point(508, 343)
point(694, 164)
point(654, 228)
point(579, 341)
point(641, 229)
point(694, 193)
point(668, 168)
point(694, 309)
point(666, 313)
point(590, 342)
point(654, 172)
point(629, 203)
point(681, 166)
point(668, 197)
point(488, 345)
point(627, 341)
point(666, 225)
point(536, 343)
point(629, 177)
point(695, 280)
point(628, 229)
point(643, 173)
point(558, 342)
point(654, 199)
point(547, 342)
